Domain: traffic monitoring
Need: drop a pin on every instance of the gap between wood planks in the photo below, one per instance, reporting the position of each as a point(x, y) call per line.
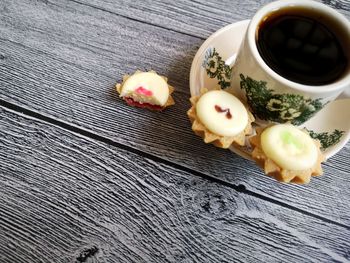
point(239, 188)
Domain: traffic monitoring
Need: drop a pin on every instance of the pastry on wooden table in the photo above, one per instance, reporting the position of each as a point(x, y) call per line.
point(146, 90)
point(287, 153)
point(220, 118)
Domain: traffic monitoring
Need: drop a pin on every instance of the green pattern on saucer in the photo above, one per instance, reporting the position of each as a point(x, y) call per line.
point(216, 68)
point(327, 139)
point(281, 108)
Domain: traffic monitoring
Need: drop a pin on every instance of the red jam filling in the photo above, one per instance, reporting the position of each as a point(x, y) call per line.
point(141, 90)
point(221, 110)
point(132, 102)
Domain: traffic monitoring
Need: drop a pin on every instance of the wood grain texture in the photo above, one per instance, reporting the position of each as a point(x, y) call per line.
point(62, 59)
point(65, 196)
point(196, 18)
point(342, 6)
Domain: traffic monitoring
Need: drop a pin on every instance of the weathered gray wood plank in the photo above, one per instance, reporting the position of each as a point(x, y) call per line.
point(197, 18)
point(62, 193)
point(63, 61)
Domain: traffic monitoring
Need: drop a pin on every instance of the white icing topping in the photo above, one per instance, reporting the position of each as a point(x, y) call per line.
point(146, 87)
point(214, 109)
point(289, 147)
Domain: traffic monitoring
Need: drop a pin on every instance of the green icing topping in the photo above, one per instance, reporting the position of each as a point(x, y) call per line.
point(288, 138)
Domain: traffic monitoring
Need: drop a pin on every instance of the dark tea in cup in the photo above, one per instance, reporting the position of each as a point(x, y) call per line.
point(303, 45)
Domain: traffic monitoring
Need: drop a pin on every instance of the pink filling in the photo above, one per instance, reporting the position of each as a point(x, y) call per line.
point(132, 102)
point(141, 90)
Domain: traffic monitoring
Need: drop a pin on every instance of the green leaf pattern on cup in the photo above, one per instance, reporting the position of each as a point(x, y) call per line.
point(267, 105)
point(327, 139)
point(282, 108)
point(216, 68)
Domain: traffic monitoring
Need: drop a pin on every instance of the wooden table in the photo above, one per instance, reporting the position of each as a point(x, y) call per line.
point(85, 178)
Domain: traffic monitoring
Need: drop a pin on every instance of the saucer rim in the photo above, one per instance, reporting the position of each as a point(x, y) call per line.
point(204, 45)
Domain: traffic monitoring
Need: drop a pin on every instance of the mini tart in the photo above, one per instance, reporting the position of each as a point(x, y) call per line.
point(220, 118)
point(290, 155)
point(146, 90)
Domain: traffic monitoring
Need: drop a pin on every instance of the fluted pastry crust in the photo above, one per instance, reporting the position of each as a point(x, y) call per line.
point(283, 175)
point(210, 137)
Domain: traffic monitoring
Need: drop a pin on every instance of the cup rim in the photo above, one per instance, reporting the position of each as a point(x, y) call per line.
point(274, 6)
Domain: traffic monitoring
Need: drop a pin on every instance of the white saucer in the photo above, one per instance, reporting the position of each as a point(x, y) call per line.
point(331, 125)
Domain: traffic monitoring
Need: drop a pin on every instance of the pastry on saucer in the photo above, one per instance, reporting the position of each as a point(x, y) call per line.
point(146, 90)
point(287, 153)
point(220, 118)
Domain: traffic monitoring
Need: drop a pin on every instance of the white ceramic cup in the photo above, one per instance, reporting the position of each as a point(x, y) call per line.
point(270, 96)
